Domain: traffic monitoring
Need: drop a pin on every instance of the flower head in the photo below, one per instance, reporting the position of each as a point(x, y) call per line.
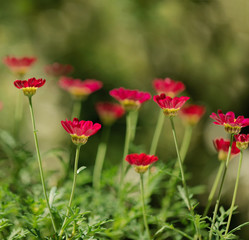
point(80, 130)
point(57, 69)
point(29, 86)
point(19, 66)
point(242, 141)
point(109, 112)
point(232, 125)
point(130, 99)
point(79, 89)
point(141, 161)
point(168, 86)
point(170, 105)
point(222, 147)
point(191, 114)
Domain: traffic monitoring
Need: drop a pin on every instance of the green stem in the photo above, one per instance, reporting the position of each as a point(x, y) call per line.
point(157, 133)
point(186, 142)
point(134, 117)
point(234, 192)
point(176, 170)
point(220, 189)
point(127, 144)
point(76, 109)
point(73, 188)
point(40, 162)
point(183, 177)
point(214, 187)
point(100, 157)
point(180, 164)
point(143, 205)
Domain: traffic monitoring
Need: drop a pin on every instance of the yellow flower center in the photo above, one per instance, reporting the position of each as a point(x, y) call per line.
point(129, 104)
point(29, 91)
point(242, 145)
point(79, 140)
point(79, 93)
point(141, 169)
point(170, 112)
point(232, 129)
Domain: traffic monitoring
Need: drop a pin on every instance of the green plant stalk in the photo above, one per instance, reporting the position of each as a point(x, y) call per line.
point(183, 176)
point(76, 109)
point(143, 205)
point(155, 139)
point(40, 162)
point(234, 192)
point(157, 133)
point(134, 117)
point(220, 189)
point(214, 187)
point(186, 142)
point(176, 171)
point(100, 157)
point(73, 188)
point(127, 144)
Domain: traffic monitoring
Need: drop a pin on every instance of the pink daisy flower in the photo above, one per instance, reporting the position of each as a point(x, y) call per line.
point(222, 147)
point(19, 66)
point(170, 105)
point(130, 99)
point(79, 89)
point(232, 125)
point(29, 86)
point(168, 86)
point(80, 131)
point(109, 112)
point(141, 162)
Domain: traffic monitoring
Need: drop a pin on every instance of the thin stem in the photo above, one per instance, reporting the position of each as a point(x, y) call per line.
point(40, 162)
point(220, 189)
point(100, 157)
point(186, 142)
point(157, 133)
point(155, 139)
point(214, 187)
point(126, 146)
point(76, 109)
point(73, 188)
point(180, 164)
point(176, 170)
point(143, 205)
point(234, 192)
point(183, 176)
point(134, 117)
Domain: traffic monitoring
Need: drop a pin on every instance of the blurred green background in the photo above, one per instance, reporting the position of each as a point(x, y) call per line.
point(128, 43)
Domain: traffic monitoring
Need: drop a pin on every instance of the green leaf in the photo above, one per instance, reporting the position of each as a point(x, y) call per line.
point(183, 195)
point(171, 227)
point(81, 169)
point(239, 227)
point(52, 195)
point(4, 223)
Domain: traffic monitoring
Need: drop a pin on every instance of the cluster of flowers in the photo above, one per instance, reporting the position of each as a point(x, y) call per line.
point(109, 112)
point(131, 100)
point(233, 126)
